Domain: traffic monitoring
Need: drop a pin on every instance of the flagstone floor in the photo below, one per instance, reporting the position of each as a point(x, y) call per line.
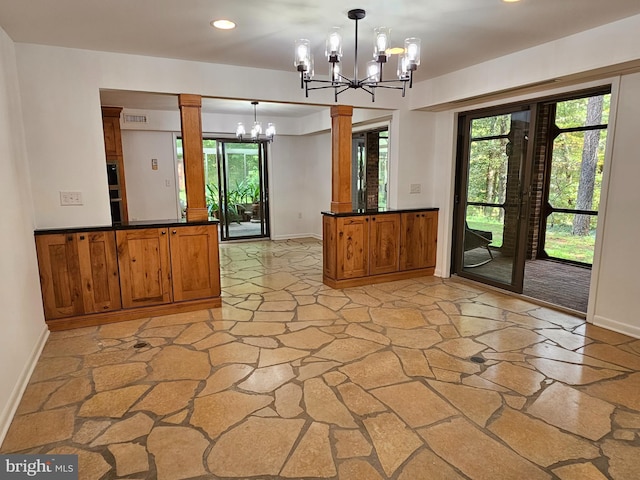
point(409, 380)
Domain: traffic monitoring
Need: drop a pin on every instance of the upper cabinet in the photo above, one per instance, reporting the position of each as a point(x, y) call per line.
point(115, 164)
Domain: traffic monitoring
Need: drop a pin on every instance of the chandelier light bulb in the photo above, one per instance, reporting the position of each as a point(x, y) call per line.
point(373, 71)
point(381, 35)
point(240, 131)
point(302, 53)
point(333, 49)
point(335, 69)
point(270, 131)
point(412, 50)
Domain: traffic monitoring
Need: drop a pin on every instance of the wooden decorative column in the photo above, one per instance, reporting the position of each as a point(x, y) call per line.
point(191, 120)
point(341, 158)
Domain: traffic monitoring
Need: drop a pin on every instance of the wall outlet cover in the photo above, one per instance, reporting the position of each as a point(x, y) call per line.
point(70, 198)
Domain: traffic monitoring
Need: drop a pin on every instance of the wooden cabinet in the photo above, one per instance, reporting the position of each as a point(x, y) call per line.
point(145, 269)
point(162, 265)
point(90, 278)
point(384, 239)
point(78, 273)
point(418, 234)
point(195, 264)
point(363, 249)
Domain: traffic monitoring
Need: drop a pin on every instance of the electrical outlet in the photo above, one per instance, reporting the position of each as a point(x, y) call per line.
point(167, 183)
point(70, 198)
point(414, 188)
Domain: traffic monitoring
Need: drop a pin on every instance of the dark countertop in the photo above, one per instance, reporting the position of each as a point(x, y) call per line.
point(126, 226)
point(378, 211)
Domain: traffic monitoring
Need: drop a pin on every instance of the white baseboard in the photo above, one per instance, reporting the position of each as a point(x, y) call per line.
point(296, 235)
point(18, 390)
point(625, 328)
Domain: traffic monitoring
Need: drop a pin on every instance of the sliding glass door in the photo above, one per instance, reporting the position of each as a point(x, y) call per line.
point(243, 193)
point(493, 164)
point(236, 186)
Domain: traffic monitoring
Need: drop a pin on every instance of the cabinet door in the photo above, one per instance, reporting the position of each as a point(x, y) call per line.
point(353, 247)
point(195, 265)
point(418, 240)
point(59, 275)
point(431, 237)
point(384, 243)
point(100, 284)
point(145, 271)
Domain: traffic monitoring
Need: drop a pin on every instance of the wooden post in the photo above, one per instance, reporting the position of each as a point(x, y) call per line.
point(341, 158)
point(190, 118)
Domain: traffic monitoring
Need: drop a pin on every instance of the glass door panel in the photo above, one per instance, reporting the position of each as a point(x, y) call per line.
point(489, 220)
point(243, 192)
point(574, 181)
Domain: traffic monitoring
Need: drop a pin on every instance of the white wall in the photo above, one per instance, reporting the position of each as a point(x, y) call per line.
point(300, 184)
point(617, 302)
point(151, 194)
point(21, 318)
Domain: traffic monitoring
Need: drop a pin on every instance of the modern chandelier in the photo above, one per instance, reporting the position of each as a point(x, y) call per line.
point(408, 62)
point(256, 129)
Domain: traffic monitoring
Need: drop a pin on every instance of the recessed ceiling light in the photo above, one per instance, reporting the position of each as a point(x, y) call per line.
point(223, 24)
point(510, 1)
point(394, 51)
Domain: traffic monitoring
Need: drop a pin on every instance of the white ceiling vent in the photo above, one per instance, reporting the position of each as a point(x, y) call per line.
point(135, 118)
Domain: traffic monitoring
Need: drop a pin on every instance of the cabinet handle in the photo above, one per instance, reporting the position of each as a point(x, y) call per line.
point(70, 238)
point(373, 219)
point(163, 232)
point(366, 219)
point(341, 234)
point(174, 232)
point(81, 237)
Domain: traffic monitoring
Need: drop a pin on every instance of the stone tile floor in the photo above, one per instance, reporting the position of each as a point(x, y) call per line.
point(291, 379)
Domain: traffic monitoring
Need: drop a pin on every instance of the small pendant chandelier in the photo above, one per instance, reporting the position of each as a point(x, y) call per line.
point(408, 62)
point(256, 129)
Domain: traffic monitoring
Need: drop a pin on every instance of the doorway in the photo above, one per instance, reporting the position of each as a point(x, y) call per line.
point(370, 169)
point(527, 196)
point(236, 186)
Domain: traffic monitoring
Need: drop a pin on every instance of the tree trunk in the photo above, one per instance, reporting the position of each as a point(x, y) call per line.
point(588, 167)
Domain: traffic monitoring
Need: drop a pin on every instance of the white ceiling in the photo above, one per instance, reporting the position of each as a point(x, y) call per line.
point(454, 33)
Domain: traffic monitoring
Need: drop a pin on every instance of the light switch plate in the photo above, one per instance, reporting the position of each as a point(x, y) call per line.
point(414, 188)
point(70, 198)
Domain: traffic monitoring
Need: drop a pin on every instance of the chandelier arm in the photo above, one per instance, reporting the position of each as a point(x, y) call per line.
point(326, 86)
point(392, 87)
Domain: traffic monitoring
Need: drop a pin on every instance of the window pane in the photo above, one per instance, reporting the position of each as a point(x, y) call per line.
point(490, 126)
point(488, 171)
point(571, 237)
point(583, 112)
point(487, 219)
point(576, 172)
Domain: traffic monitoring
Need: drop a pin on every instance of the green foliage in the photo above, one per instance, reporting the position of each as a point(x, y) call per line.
point(488, 170)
